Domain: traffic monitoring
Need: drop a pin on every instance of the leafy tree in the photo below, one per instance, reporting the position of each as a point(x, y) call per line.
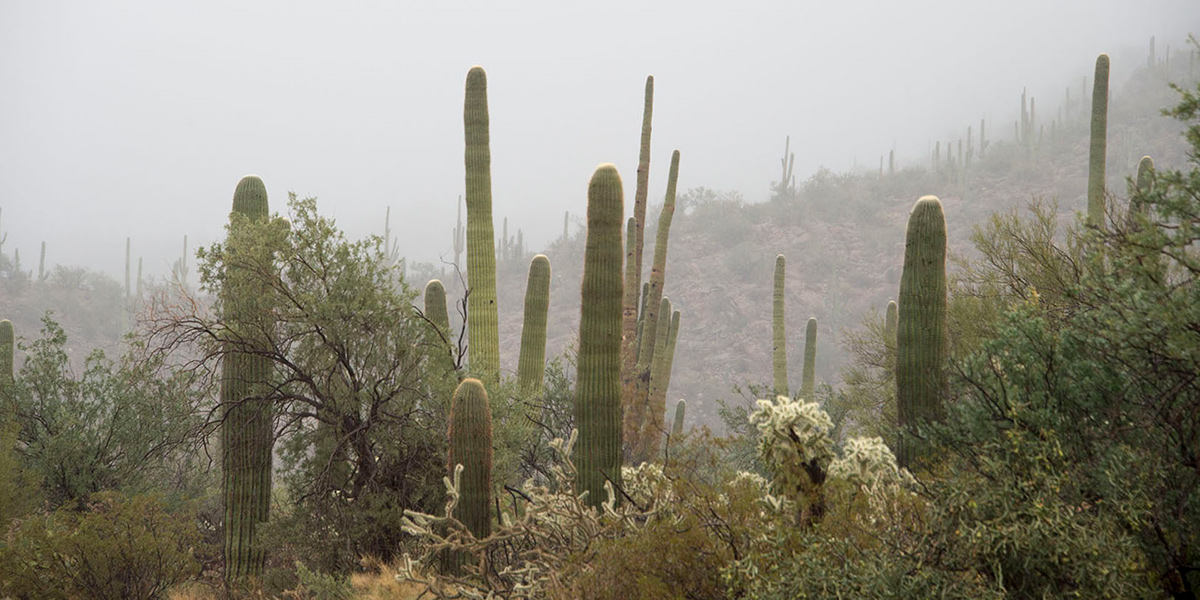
point(361, 439)
point(129, 425)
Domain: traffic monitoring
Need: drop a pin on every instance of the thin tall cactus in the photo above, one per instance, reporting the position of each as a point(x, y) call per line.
point(1098, 148)
point(598, 387)
point(531, 367)
point(778, 330)
point(7, 352)
point(921, 337)
point(680, 411)
point(630, 319)
point(483, 315)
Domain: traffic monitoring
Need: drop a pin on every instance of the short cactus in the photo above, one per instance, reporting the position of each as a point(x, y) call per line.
point(808, 377)
point(531, 367)
point(471, 446)
point(598, 387)
point(677, 426)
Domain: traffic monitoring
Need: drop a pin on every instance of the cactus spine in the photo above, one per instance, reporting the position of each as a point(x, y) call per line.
point(483, 315)
point(808, 377)
point(531, 367)
point(471, 446)
point(631, 323)
point(921, 337)
point(779, 332)
point(1099, 144)
point(598, 387)
point(677, 426)
point(247, 433)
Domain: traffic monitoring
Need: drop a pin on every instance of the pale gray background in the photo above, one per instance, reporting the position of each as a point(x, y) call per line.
point(138, 118)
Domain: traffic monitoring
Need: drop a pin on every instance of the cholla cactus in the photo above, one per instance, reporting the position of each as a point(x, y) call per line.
point(796, 447)
point(647, 485)
point(868, 462)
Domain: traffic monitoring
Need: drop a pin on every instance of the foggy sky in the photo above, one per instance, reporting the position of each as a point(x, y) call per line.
point(138, 118)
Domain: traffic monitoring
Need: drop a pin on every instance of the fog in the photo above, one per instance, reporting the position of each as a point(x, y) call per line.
point(138, 118)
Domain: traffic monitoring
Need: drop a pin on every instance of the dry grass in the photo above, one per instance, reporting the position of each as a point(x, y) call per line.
point(379, 583)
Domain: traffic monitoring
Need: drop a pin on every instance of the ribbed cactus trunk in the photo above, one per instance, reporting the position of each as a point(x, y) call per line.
point(921, 336)
point(890, 319)
point(471, 446)
point(634, 246)
point(483, 319)
point(7, 352)
point(531, 367)
point(680, 411)
point(779, 330)
point(1143, 187)
point(808, 377)
point(654, 293)
point(652, 423)
point(598, 382)
point(247, 432)
point(436, 309)
point(1098, 148)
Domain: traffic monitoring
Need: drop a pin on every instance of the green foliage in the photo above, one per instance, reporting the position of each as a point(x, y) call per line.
point(116, 548)
point(598, 405)
point(129, 425)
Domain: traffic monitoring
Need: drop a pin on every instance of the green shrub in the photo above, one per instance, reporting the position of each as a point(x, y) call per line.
point(118, 548)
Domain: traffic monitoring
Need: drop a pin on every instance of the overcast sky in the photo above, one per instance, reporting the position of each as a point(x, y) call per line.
point(138, 118)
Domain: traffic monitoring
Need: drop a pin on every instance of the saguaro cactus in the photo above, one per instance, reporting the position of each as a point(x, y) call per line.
point(1098, 148)
point(1144, 185)
point(471, 446)
point(483, 318)
point(779, 331)
point(658, 274)
point(921, 338)
point(247, 432)
point(7, 349)
point(808, 377)
point(630, 319)
point(652, 421)
point(677, 426)
point(531, 367)
point(598, 387)
point(889, 336)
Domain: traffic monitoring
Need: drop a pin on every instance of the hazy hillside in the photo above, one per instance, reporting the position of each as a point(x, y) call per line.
point(843, 237)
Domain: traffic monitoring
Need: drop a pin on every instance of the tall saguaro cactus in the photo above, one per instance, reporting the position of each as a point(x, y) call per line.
point(531, 367)
point(471, 446)
point(680, 411)
point(598, 387)
point(921, 336)
point(808, 377)
point(483, 320)
point(247, 432)
point(1098, 148)
point(779, 331)
point(630, 320)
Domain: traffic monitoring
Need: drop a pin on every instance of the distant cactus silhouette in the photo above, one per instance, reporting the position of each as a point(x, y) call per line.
point(1097, 150)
